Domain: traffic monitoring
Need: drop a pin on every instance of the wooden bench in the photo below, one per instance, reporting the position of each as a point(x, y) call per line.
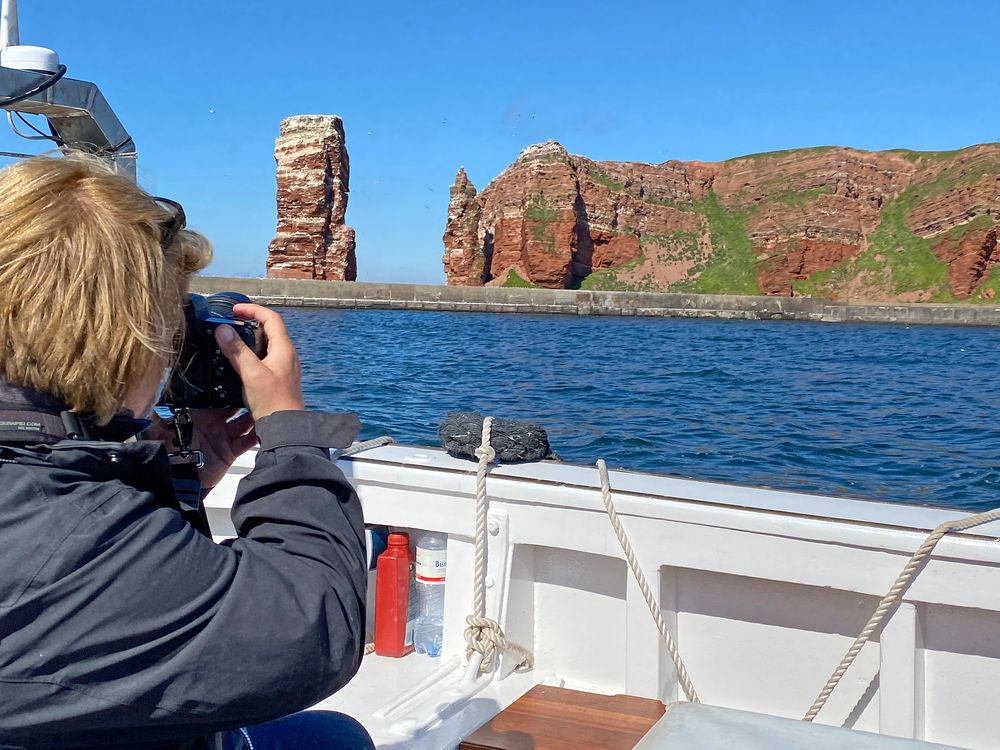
point(550, 718)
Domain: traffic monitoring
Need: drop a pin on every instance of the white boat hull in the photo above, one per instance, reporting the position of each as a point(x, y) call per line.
point(763, 590)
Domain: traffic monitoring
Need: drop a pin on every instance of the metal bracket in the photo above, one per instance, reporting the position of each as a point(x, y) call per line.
point(79, 114)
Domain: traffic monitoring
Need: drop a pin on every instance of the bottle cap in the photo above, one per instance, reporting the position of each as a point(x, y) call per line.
point(399, 539)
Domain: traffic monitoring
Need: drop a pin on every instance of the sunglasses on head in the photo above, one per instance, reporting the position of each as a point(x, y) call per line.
point(174, 224)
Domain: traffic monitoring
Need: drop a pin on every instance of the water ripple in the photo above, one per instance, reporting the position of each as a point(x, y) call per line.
point(883, 412)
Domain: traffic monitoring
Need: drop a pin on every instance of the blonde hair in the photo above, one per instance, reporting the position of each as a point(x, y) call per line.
point(88, 299)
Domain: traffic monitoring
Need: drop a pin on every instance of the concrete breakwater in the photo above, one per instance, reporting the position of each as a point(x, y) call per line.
point(378, 296)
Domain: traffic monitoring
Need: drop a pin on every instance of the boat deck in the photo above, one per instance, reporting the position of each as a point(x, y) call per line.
point(551, 718)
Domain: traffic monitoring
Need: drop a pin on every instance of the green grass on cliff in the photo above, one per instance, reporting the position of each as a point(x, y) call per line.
point(607, 279)
point(602, 178)
point(916, 156)
point(904, 261)
point(515, 281)
point(785, 152)
point(896, 261)
point(673, 246)
point(989, 286)
point(540, 211)
point(538, 216)
point(678, 245)
point(957, 171)
point(730, 269)
point(826, 284)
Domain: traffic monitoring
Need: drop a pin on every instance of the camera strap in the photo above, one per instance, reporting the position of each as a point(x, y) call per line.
point(184, 438)
point(185, 462)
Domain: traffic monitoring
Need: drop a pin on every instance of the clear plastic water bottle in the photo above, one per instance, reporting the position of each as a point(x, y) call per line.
point(432, 567)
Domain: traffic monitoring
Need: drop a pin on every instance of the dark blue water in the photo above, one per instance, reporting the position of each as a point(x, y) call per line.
point(880, 412)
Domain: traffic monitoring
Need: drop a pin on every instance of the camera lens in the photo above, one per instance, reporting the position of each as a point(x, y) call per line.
point(221, 304)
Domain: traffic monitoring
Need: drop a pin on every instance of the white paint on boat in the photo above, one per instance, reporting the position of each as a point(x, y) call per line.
point(764, 591)
point(692, 727)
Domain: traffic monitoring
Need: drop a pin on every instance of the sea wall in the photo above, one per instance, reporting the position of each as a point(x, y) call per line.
point(377, 296)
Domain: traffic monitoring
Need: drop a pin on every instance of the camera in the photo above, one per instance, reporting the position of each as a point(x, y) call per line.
point(203, 377)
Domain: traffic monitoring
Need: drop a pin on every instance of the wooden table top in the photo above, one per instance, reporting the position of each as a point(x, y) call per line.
point(550, 718)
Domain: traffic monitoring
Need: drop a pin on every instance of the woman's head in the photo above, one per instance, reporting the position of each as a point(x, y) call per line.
point(90, 302)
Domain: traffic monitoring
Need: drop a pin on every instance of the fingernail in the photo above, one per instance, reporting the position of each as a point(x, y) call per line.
point(226, 334)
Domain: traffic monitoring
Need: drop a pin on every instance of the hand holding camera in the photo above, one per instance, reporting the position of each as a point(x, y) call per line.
point(235, 354)
point(271, 383)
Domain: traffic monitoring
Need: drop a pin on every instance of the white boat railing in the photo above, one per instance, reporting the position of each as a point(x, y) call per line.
point(763, 591)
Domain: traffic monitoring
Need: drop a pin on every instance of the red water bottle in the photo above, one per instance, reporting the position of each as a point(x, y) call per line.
point(395, 605)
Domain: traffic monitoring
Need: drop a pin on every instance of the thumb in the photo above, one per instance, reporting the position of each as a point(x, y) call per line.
point(239, 355)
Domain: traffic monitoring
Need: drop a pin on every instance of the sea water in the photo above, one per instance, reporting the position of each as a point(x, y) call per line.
point(903, 414)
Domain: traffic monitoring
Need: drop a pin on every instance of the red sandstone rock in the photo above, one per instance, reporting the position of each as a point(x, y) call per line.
point(464, 259)
point(611, 250)
point(978, 194)
point(528, 220)
point(312, 240)
point(796, 260)
point(969, 259)
point(555, 218)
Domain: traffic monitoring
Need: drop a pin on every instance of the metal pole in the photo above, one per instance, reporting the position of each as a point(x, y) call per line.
point(9, 34)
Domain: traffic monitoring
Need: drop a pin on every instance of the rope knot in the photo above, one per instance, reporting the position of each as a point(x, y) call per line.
point(486, 453)
point(485, 636)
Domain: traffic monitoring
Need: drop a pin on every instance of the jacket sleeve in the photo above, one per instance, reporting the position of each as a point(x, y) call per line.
point(182, 636)
point(300, 535)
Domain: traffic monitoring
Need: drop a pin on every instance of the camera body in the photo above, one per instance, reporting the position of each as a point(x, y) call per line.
point(203, 377)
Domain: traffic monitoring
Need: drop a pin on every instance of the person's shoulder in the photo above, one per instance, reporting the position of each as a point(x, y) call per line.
point(51, 518)
point(40, 487)
point(94, 493)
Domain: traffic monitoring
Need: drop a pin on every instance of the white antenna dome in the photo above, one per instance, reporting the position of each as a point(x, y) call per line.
point(15, 55)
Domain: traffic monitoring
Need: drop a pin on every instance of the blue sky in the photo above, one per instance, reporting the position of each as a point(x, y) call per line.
point(426, 87)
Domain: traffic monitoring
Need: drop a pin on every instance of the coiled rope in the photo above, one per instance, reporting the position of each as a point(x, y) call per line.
point(891, 599)
point(647, 593)
point(482, 634)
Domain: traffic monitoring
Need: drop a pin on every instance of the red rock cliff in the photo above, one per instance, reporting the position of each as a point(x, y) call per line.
point(828, 221)
point(312, 240)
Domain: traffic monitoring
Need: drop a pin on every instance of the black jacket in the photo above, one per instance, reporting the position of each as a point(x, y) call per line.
point(122, 625)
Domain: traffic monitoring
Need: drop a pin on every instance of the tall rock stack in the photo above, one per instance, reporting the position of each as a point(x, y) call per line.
point(312, 240)
point(464, 260)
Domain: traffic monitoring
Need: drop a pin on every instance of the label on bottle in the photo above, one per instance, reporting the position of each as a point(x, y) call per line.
point(412, 612)
point(432, 565)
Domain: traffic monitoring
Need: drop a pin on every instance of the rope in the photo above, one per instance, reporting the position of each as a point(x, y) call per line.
point(482, 634)
point(640, 578)
point(892, 598)
point(365, 446)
